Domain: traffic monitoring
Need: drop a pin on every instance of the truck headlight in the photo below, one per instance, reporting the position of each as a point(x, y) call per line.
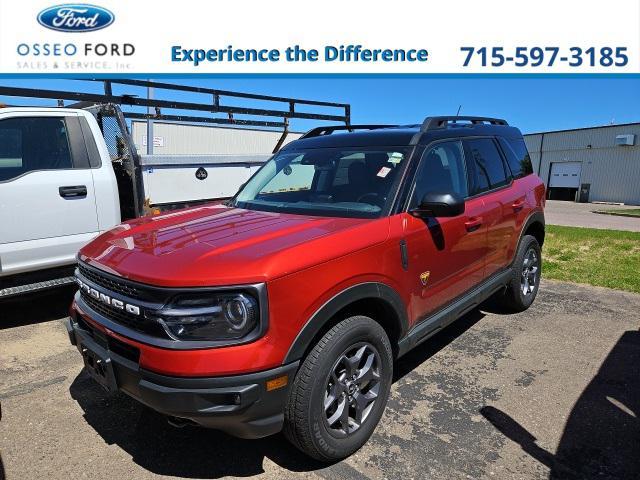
point(225, 316)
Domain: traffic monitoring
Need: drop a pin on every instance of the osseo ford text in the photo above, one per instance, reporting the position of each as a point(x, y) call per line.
point(71, 49)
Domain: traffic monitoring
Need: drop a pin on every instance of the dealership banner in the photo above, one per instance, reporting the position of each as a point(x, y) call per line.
point(285, 36)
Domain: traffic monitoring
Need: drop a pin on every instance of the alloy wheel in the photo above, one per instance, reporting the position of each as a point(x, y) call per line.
point(530, 268)
point(352, 389)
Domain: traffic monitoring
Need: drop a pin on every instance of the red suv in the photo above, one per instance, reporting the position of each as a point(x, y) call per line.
point(286, 307)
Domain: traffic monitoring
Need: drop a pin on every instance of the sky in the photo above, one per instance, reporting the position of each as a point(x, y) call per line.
point(532, 104)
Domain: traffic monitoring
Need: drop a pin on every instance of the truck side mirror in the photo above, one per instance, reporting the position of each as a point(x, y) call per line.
point(439, 204)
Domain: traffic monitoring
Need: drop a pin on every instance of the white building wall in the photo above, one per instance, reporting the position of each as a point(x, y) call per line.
point(533, 145)
point(613, 171)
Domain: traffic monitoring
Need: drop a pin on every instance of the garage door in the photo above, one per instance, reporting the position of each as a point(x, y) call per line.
point(565, 175)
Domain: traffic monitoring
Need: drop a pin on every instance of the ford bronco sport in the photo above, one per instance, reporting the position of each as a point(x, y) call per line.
point(286, 307)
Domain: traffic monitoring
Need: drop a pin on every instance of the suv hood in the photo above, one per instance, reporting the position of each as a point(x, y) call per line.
point(217, 245)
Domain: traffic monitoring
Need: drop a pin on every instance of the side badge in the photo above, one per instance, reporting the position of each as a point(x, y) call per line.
point(424, 278)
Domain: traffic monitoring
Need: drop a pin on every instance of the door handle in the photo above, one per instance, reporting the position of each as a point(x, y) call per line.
point(473, 224)
point(76, 191)
point(518, 205)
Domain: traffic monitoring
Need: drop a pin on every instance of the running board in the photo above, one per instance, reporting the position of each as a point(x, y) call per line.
point(456, 309)
point(35, 287)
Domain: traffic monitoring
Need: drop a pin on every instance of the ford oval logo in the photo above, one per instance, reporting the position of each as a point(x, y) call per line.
point(75, 17)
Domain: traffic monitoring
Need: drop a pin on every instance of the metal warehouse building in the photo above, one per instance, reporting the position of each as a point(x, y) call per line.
point(189, 139)
point(599, 164)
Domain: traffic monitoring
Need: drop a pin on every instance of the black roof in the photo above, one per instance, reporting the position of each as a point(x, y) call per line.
point(402, 135)
point(379, 137)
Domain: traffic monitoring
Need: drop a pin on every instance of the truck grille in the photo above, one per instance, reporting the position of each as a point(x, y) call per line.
point(135, 322)
point(110, 284)
point(122, 287)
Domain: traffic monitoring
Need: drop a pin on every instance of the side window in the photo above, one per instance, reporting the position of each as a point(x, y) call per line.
point(517, 156)
point(486, 167)
point(10, 149)
point(33, 143)
point(442, 169)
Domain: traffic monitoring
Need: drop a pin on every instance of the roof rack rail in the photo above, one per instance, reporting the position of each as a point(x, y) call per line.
point(431, 123)
point(328, 130)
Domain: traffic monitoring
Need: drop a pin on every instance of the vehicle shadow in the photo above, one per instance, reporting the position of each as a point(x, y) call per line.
point(201, 453)
point(36, 307)
point(601, 438)
point(414, 358)
point(190, 452)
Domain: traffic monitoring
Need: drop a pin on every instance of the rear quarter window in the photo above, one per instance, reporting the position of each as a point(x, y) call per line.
point(486, 167)
point(517, 156)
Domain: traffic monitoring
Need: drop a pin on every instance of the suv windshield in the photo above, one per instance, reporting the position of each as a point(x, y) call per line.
point(337, 182)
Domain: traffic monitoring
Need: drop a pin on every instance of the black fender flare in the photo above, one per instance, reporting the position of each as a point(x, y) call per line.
point(341, 300)
point(535, 217)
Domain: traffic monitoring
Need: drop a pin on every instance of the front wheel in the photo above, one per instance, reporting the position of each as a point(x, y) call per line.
point(522, 289)
point(341, 390)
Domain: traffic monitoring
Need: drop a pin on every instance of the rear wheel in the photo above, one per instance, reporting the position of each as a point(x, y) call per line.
point(522, 289)
point(340, 391)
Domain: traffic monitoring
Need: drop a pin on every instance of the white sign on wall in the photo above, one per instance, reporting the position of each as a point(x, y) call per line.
point(158, 141)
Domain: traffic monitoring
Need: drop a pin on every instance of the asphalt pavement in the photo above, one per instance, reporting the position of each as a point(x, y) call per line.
point(574, 214)
point(550, 393)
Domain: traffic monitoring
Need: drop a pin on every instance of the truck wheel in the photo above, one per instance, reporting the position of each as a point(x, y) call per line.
point(340, 391)
point(527, 267)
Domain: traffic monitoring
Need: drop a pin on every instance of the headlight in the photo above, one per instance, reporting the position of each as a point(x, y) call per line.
point(214, 317)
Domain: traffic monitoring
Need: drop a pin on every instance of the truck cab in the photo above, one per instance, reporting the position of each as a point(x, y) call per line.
point(58, 190)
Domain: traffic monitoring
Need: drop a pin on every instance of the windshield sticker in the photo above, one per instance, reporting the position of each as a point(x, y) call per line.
point(384, 171)
point(396, 157)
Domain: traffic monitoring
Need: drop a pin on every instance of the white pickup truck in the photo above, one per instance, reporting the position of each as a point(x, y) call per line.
point(67, 174)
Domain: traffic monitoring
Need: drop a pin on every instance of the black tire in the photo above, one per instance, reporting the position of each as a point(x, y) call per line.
point(306, 423)
point(514, 299)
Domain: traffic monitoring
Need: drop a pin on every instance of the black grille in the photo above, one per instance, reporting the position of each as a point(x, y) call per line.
point(136, 292)
point(122, 287)
point(135, 322)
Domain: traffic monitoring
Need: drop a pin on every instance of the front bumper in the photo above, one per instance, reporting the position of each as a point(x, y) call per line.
point(240, 405)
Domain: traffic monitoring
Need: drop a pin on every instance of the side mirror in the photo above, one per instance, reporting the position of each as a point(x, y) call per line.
point(439, 204)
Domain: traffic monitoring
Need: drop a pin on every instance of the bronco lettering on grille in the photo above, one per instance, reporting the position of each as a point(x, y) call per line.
point(107, 300)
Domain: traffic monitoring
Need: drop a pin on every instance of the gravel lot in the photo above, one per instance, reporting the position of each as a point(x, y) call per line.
point(574, 214)
point(550, 393)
